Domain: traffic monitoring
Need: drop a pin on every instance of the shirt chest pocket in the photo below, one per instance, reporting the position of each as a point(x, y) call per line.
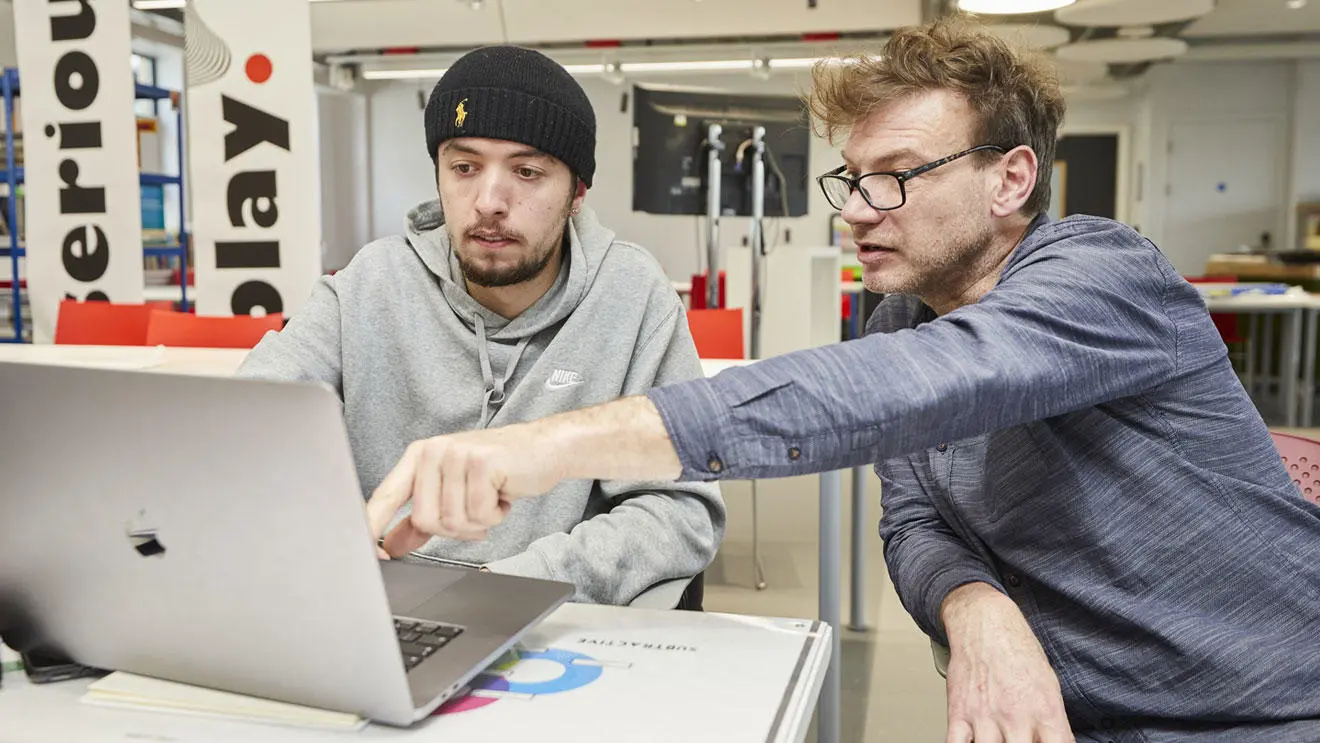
point(958, 470)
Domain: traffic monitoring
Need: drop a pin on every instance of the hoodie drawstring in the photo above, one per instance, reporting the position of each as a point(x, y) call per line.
point(495, 393)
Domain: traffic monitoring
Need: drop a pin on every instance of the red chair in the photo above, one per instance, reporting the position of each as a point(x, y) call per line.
point(1302, 458)
point(718, 334)
point(697, 298)
point(104, 323)
point(187, 330)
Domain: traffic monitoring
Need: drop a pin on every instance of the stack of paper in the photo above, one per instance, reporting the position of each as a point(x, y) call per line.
point(143, 693)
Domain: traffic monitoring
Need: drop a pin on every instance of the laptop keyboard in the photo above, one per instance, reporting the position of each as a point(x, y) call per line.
point(419, 640)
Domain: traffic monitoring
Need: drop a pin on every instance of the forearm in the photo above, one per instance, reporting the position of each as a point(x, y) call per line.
point(620, 440)
point(975, 610)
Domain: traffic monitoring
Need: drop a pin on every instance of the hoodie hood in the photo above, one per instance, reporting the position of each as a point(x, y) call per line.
point(588, 244)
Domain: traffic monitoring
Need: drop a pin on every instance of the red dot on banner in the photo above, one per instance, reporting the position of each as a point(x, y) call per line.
point(259, 68)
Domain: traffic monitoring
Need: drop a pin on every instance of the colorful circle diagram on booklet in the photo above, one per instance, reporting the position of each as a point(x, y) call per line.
point(576, 671)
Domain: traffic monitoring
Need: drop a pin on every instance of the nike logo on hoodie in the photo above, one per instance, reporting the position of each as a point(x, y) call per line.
point(562, 378)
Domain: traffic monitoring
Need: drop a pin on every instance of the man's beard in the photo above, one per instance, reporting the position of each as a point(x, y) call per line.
point(937, 274)
point(496, 276)
point(528, 268)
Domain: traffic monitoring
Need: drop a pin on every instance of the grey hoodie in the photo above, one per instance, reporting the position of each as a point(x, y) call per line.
point(413, 355)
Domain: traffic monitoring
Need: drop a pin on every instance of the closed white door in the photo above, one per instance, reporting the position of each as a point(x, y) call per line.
point(1225, 188)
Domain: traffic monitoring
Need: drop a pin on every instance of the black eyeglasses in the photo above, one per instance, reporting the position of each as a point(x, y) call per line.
point(883, 190)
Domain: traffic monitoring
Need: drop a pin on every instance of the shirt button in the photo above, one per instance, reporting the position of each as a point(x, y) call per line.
point(715, 465)
point(794, 453)
point(943, 447)
point(1013, 580)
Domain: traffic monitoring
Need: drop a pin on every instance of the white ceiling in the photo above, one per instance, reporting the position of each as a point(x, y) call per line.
point(1257, 18)
point(368, 24)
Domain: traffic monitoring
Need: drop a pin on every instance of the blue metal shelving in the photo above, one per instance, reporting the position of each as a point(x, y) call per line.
point(14, 177)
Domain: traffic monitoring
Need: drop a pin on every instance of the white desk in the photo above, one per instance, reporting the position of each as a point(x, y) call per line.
point(223, 362)
point(205, 361)
point(1300, 311)
point(738, 679)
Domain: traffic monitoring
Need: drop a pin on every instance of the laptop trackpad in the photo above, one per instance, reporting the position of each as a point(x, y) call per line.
point(408, 586)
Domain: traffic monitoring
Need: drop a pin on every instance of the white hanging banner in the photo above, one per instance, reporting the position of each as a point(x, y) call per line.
point(252, 150)
point(82, 197)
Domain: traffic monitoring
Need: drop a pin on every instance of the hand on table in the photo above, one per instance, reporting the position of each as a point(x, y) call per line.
point(1001, 688)
point(460, 485)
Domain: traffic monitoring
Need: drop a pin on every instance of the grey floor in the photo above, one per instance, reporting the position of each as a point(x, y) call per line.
point(891, 691)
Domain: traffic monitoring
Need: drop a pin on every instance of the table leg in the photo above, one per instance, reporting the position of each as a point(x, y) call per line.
point(828, 715)
point(1291, 364)
point(1312, 315)
point(1267, 376)
point(1253, 349)
point(861, 530)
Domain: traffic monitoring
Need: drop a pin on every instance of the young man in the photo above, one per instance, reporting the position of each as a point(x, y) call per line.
point(506, 301)
point(1080, 500)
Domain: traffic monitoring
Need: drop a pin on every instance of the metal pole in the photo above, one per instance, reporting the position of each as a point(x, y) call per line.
point(10, 76)
point(713, 175)
point(1291, 364)
point(1308, 367)
point(857, 615)
point(757, 566)
point(755, 237)
point(183, 212)
point(831, 597)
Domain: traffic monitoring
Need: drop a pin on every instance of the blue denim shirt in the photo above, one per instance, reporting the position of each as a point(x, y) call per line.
point(1079, 440)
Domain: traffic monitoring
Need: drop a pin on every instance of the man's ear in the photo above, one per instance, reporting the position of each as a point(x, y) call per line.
point(1015, 180)
point(580, 196)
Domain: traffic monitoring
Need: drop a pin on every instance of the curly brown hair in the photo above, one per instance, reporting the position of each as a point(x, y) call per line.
point(1014, 92)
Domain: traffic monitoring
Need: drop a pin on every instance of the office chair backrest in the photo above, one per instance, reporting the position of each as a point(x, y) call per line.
point(104, 323)
point(1302, 458)
point(179, 329)
point(718, 334)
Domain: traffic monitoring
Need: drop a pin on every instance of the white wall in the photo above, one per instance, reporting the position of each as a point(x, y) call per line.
point(1195, 92)
point(8, 46)
point(1305, 139)
point(345, 176)
point(401, 171)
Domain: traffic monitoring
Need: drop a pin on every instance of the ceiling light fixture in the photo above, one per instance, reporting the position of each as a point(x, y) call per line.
point(1012, 7)
point(173, 4)
point(714, 65)
point(1296, 4)
point(618, 69)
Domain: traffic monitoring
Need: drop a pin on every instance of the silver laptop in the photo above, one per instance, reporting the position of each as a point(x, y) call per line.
point(212, 531)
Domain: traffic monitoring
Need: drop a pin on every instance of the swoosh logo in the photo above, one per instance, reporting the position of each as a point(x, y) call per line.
point(554, 385)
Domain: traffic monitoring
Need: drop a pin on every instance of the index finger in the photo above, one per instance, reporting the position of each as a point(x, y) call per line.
point(393, 492)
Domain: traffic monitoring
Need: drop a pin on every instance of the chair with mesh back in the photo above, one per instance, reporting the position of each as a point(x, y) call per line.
point(1302, 458)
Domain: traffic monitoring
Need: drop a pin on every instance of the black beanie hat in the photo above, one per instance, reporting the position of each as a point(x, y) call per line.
point(519, 95)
